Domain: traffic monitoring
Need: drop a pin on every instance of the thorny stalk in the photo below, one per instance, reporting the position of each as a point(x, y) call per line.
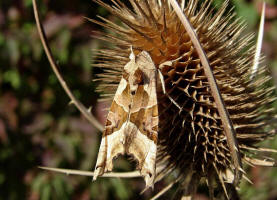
point(223, 112)
point(89, 173)
point(76, 102)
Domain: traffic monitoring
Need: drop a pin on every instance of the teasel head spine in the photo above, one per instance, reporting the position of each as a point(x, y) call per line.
point(192, 140)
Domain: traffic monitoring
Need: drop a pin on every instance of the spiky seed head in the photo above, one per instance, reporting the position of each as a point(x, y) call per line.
point(192, 140)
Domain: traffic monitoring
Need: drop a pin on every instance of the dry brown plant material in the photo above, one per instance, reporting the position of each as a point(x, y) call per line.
point(192, 139)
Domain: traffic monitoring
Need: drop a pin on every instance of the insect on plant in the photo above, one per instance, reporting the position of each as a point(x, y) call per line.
point(190, 98)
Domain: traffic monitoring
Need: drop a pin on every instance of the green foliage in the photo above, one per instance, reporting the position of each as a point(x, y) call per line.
point(38, 127)
point(12, 77)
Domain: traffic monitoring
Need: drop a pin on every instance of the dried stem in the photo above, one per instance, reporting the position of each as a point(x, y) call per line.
point(89, 173)
point(48, 52)
point(224, 115)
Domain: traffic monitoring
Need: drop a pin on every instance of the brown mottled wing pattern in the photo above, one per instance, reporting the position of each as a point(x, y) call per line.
point(132, 122)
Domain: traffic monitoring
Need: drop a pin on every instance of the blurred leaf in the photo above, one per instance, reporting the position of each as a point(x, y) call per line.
point(12, 77)
point(62, 46)
point(2, 178)
point(247, 11)
point(2, 39)
point(60, 187)
point(36, 50)
point(38, 182)
point(46, 192)
point(27, 3)
point(120, 189)
point(13, 50)
point(77, 94)
point(5, 153)
point(52, 79)
point(86, 58)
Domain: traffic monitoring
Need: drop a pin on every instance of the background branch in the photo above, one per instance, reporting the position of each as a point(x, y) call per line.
point(89, 173)
point(86, 112)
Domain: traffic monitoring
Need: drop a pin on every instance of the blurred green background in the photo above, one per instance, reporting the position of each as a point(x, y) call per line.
point(38, 127)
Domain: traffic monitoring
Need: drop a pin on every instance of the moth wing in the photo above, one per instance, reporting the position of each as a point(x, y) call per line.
point(132, 124)
point(113, 136)
point(143, 121)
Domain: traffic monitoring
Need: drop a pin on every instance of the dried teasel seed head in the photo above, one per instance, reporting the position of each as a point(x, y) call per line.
point(192, 140)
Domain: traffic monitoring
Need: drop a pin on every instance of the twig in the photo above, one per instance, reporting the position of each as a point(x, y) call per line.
point(48, 52)
point(258, 45)
point(89, 173)
point(224, 115)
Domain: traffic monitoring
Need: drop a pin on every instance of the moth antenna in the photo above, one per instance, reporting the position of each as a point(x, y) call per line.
point(259, 44)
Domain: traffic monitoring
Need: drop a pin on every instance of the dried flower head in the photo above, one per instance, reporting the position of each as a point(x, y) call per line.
point(192, 141)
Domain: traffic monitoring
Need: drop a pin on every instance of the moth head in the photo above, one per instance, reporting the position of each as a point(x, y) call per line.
point(133, 75)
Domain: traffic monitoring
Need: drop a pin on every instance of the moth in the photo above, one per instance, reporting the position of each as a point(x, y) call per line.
point(132, 122)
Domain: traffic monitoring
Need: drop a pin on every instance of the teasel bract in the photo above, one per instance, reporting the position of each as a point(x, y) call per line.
point(191, 138)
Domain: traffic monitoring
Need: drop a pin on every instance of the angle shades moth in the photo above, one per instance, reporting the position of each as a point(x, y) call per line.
point(132, 122)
